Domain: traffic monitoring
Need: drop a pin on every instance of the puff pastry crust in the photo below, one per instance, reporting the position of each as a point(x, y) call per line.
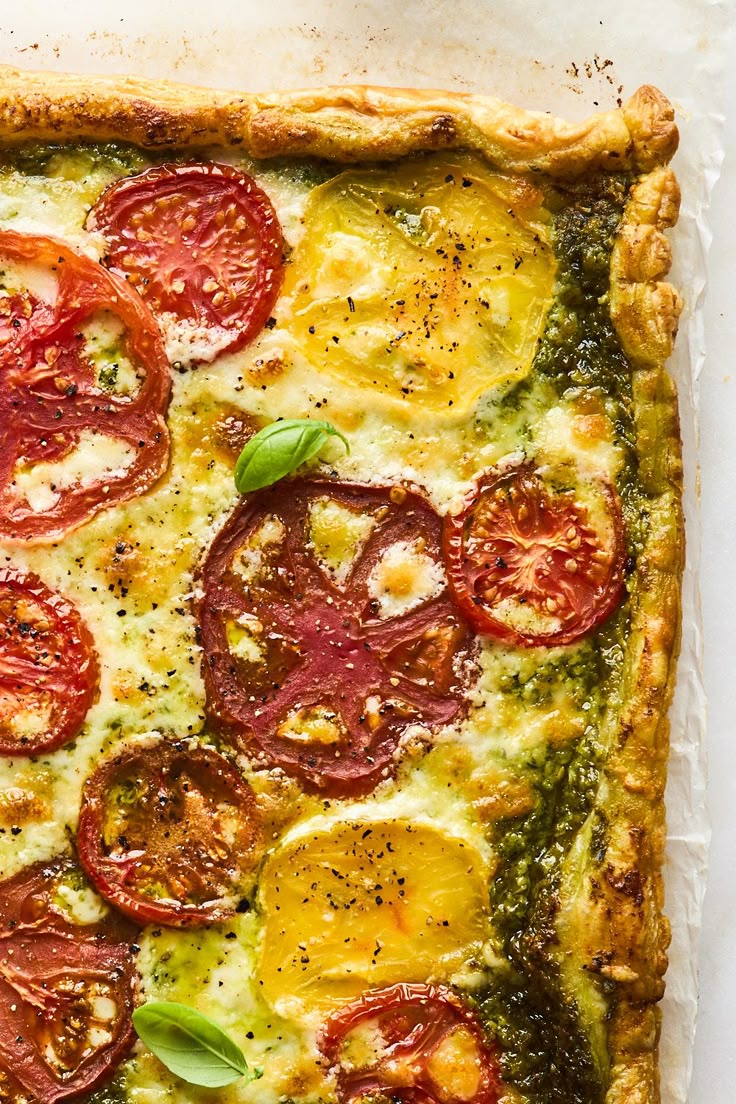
point(621, 924)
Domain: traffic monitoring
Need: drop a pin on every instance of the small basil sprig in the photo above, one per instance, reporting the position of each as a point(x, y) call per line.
point(281, 448)
point(191, 1045)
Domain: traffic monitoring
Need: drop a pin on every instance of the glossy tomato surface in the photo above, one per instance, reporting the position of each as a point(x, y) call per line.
point(48, 666)
point(411, 1044)
point(527, 565)
point(55, 408)
point(202, 245)
point(169, 834)
point(313, 671)
point(67, 990)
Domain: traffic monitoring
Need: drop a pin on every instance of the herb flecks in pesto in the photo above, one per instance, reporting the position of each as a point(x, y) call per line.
point(112, 1093)
point(580, 347)
point(532, 848)
point(545, 1052)
point(577, 668)
point(56, 160)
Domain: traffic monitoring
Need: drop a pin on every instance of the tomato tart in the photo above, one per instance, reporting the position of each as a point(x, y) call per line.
point(339, 598)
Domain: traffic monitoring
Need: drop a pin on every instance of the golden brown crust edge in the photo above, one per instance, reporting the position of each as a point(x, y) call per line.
point(346, 123)
point(360, 123)
point(611, 924)
point(645, 311)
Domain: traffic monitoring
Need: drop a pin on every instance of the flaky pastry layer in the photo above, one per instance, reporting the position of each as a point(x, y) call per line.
point(355, 123)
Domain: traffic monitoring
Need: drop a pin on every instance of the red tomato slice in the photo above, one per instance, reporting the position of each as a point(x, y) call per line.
point(203, 246)
point(48, 667)
point(11, 1090)
point(526, 565)
point(169, 834)
point(66, 991)
point(334, 681)
point(413, 1044)
point(51, 399)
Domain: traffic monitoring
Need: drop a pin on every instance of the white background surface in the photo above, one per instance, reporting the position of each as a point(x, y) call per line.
point(454, 43)
point(714, 1074)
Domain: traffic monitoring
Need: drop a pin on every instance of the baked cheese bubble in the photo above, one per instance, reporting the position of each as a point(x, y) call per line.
point(427, 281)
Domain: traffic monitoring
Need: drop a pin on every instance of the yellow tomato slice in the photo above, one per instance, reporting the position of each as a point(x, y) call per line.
point(365, 903)
point(427, 281)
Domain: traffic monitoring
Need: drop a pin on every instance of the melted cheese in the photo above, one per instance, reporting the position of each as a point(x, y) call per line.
point(96, 456)
point(455, 1067)
point(337, 535)
point(82, 905)
point(57, 204)
point(17, 276)
point(568, 434)
point(252, 558)
point(103, 345)
point(404, 578)
point(244, 636)
point(268, 976)
point(187, 343)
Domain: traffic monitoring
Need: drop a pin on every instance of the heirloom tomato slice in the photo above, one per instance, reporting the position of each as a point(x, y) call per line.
point(328, 631)
point(67, 990)
point(48, 666)
point(531, 566)
point(411, 1044)
point(84, 386)
point(169, 834)
point(203, 246)
point(424, 281)
point(359, 903)
point(11, 1090)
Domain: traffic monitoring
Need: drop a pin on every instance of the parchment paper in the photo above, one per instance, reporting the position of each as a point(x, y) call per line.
point(564, 57)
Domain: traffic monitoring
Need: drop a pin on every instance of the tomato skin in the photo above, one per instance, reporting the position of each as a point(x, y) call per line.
point(326, 647)
point(527, 534)
point(167, 823)
point(48, 396)
point(51, 970)
point(11, 1090)
point(57, 659)
point(212, 250)
point(413, 1020)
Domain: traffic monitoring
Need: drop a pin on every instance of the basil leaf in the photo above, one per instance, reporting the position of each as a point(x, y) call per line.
point(191, 1045)
point(281, 448)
